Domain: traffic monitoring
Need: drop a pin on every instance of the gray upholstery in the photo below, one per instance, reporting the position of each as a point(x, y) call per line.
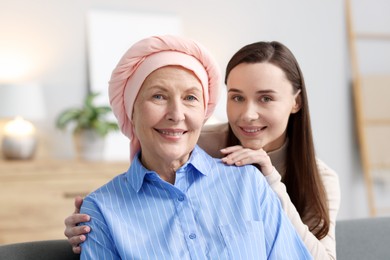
point(40, 250)
point(366, 239)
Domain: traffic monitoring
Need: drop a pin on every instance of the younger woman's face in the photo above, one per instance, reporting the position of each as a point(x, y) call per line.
point(259, 103)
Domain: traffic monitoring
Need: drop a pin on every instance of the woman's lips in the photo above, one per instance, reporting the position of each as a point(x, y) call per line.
point(252, 130)
point(172, 134)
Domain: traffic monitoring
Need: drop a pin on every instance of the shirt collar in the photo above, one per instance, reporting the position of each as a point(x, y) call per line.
point(137, 172)
point(200, 160)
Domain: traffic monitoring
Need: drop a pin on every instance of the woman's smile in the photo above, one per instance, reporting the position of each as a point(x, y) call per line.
point(252, 130)
point(171, 133)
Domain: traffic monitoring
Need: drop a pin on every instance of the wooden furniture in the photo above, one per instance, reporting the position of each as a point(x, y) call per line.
point(36, 196)
point(371, 89)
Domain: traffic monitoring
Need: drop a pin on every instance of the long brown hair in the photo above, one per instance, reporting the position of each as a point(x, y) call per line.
point(302, 179)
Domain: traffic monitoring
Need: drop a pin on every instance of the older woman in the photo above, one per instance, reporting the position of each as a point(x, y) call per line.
point(175, 201)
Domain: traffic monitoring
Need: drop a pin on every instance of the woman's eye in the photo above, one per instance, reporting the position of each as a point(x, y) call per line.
point(191, 98)
point(265, 99)
point(237, 98)
point(158, 96)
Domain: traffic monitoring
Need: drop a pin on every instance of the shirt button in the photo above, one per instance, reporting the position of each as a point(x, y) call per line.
point(181, 198)
point(192, 236)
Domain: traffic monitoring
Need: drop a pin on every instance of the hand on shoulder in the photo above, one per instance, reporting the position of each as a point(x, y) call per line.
point(238, 155)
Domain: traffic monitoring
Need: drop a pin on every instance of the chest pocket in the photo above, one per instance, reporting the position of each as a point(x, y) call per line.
point(244, 241)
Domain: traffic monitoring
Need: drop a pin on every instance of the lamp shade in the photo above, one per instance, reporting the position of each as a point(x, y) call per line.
point(24, 100)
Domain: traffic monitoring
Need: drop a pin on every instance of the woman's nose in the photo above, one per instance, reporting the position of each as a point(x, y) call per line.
point(175, 111)
point(251, 112)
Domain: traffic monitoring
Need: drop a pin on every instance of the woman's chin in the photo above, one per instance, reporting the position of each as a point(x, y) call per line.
point(175, 155)
point(254, 145)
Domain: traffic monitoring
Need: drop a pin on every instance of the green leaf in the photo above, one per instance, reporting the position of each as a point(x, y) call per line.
point(90, 116)
point(67, 116)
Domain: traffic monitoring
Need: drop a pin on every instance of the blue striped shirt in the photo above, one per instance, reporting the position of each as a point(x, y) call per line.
point(213, 211)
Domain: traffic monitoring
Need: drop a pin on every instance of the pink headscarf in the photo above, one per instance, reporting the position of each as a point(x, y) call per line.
point(146, 56)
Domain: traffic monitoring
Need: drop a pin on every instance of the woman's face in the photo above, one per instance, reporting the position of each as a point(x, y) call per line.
point(259, 103)
point(168, 115)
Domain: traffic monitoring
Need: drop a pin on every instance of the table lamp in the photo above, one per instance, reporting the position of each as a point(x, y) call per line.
point(18, 104)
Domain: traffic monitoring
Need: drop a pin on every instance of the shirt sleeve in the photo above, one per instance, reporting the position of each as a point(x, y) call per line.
point(326, 247)
point(99, 244)
point(283, 241)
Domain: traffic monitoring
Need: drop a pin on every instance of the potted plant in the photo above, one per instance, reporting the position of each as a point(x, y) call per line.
point(90, 127)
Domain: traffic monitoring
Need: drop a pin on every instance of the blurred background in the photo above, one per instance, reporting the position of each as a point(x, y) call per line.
point(48, 42)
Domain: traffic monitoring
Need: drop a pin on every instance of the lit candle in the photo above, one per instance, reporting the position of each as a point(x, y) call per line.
point(19, 140)
point(19, 127)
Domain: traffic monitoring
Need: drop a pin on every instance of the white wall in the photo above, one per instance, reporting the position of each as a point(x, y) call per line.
point(53, 35)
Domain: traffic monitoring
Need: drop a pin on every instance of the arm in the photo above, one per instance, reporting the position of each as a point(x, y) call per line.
point(283, 241)
point(326, 247)
point(74, 233)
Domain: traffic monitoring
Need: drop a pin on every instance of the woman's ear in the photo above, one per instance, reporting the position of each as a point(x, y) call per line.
point(297, 102)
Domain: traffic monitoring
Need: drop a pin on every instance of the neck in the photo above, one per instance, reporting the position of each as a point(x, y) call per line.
point(278, 158)
point(166, 169)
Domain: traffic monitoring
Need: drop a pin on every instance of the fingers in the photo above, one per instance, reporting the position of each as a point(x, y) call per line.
point(245, 156)
point(76, 218)
point(238, 155)
point(240, 159)
point(76, 249)
point(231, 149)
point(232, 153)
point(74, 233)
point(241, 156)
point(78, 201)
point(70, 233)
point(75, 242)
point(71, 228)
